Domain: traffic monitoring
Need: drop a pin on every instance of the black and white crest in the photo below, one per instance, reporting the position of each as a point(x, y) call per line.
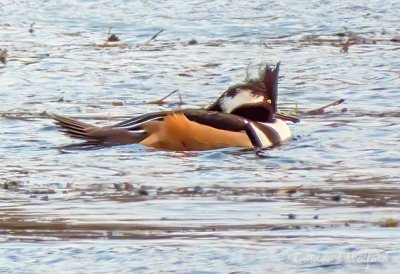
point(255, 99)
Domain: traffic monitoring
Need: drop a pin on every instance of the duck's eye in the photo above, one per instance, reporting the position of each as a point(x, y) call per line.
point(269, 101)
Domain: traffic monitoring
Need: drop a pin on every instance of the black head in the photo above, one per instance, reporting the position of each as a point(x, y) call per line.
point(260, 112)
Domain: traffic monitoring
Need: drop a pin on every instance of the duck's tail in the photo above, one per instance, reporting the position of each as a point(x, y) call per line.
point(97, 135)
point(73, 128)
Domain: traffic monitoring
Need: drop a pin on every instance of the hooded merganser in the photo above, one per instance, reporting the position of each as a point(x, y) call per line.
point(245, 116)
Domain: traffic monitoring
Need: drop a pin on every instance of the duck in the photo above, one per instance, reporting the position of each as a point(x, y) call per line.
point(245, 115)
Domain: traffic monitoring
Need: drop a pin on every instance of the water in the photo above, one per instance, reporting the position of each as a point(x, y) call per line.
point(327, 201)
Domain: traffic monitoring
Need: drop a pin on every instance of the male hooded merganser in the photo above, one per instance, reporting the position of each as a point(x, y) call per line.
point(243, 116)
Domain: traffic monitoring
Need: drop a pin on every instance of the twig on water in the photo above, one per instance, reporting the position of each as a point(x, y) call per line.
point(111, 37)
point(108, 34)
point(345, 45)
point(322, 109)
point(31, 30)
point(154, 36)
point(3, 56)
point(286, 117)
point(162, 100)
point(180, 98)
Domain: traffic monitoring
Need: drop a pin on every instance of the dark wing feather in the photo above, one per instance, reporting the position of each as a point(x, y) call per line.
point(214, 119)
point(97, 135)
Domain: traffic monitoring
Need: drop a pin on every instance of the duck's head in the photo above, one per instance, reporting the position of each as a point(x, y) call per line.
point(255, 100)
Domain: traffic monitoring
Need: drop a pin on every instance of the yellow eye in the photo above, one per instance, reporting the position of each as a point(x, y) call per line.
point(269, 101)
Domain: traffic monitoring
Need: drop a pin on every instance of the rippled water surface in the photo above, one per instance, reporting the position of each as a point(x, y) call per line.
point(327, 201)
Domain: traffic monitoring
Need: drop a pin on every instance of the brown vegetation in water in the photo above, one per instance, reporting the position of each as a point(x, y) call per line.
point(3, 56)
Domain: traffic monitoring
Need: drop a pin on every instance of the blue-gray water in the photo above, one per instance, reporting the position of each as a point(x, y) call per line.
point(130, 209)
